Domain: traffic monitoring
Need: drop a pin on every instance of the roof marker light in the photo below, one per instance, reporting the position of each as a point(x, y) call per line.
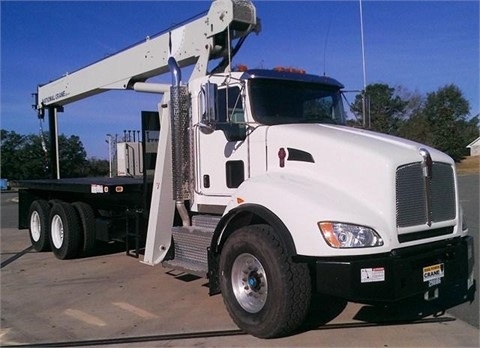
point(289, 70)
point(241, 68)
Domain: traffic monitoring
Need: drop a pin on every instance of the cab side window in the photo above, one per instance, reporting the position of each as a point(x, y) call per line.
point(231, 115)
point(230, 105)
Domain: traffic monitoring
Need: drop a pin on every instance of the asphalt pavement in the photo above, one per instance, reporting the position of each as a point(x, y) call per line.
point(111, 299)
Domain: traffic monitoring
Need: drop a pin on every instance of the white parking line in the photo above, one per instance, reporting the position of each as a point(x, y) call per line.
point(87, 318)
point(135, 310)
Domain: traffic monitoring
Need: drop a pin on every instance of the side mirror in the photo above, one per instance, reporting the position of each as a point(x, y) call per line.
point(235, 131)
point(210, 102)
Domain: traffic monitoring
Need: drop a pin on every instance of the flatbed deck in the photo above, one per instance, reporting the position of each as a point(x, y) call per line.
point(101, 193)
point(86, 185)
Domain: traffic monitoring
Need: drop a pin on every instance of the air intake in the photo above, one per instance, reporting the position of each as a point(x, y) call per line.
point(179, 113)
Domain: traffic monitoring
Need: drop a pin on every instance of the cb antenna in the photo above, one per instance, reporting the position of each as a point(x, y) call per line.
point(364, 97)
point(325, 46)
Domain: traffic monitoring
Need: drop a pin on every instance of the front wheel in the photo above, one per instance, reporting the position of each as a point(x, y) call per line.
point(265, 292)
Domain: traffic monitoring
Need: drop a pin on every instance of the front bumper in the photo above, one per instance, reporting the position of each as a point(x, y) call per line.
point(436, 272)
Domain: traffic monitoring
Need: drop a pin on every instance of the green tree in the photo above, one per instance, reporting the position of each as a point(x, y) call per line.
point(416, 128)
point(72, 157)
point(384, 107)
point(446, 112)
point(24, 156)
point(97, 167)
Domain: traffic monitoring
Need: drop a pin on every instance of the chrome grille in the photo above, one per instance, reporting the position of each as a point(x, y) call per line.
point(443, 193)
point(412, 194)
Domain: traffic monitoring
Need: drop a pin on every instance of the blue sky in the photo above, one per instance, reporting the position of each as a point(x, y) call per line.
point(420, 45)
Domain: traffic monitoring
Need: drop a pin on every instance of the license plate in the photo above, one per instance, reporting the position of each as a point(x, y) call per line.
point(433, 273)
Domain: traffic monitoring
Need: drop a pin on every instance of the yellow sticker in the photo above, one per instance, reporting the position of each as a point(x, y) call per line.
point(433, 272)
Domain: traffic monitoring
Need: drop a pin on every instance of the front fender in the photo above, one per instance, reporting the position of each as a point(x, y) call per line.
point(299, 203)
point(235, 218)
point(251, 214)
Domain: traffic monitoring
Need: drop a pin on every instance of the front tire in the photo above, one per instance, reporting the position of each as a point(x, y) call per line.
point(265, 292)
point(64, 231)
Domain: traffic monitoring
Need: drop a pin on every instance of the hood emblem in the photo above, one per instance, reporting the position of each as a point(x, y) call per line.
point(427, 163)
point(427, 166)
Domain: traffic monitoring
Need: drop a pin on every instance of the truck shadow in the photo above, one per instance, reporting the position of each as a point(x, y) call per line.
point(396, 313)
point(405, 312)
point(104, 248)
point(324, 309)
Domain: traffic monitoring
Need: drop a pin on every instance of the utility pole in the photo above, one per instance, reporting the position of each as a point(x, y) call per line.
point(109, 141)
point(364, 102)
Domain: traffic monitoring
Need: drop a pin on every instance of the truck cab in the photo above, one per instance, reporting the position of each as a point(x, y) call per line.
point(247, 107)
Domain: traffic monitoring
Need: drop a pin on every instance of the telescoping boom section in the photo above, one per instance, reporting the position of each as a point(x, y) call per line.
point(194, 43)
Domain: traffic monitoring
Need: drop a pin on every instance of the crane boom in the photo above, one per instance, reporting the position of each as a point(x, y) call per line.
point(197, 42)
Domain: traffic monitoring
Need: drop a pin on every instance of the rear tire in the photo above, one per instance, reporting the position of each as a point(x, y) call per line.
point(87, 221)
point(64, 231)
point(39, 227)
point(265, 292)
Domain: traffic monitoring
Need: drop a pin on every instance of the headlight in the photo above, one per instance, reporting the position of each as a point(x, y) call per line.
point(341, 235)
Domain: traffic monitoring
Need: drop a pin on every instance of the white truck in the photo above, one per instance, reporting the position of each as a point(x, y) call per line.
point(258, 185)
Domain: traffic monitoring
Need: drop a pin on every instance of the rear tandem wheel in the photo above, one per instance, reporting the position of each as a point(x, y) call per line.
point(64, 230)
point(39, 225)
point(87, 222)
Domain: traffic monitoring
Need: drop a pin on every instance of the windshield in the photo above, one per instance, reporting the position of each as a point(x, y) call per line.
point(276, 101)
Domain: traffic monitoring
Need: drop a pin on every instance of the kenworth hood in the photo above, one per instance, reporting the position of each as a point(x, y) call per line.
point(345, 147)
point(320, 172)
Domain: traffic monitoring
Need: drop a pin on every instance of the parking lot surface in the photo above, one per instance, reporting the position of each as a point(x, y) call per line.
point(111, 299)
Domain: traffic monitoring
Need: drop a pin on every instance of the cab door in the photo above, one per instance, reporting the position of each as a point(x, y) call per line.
point(222, 152)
